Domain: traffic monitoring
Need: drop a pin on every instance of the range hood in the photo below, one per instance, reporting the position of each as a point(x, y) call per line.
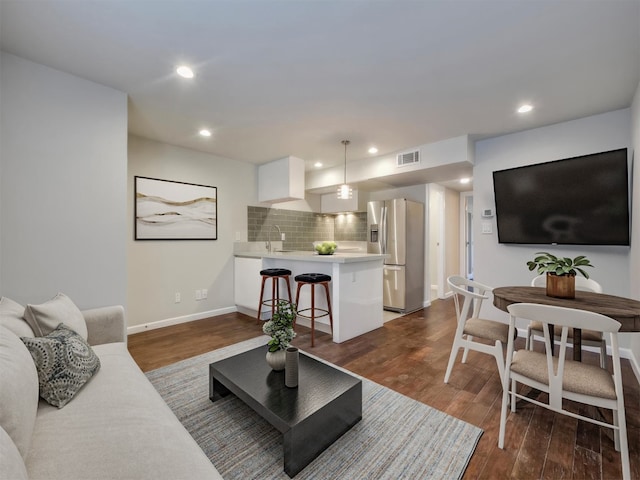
point(281, 180)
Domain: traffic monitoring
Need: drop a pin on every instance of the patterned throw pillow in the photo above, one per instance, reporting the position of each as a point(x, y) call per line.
point(65, 362)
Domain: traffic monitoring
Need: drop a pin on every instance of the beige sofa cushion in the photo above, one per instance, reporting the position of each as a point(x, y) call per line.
point(44, 318)
point(11, 314)
point(18, 390)
point(11, 463)
point(119, 427)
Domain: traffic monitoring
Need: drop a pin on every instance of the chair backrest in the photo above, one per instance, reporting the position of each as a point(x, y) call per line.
point(473, 293)
point(583, 284)
point(565, 318)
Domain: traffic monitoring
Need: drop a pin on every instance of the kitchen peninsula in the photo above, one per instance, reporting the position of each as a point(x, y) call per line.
point(356, 287)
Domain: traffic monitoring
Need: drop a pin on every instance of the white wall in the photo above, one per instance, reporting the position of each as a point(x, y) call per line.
point(634, 339)
point(158, 269)
point(63, 157)
point(451, 234)
point(635, 207)
point(497, 264)
point(435, 243)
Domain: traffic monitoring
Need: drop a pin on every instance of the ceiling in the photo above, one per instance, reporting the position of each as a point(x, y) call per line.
point(277, 78)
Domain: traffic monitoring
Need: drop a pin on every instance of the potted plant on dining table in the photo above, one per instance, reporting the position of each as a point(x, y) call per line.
point(561, 272)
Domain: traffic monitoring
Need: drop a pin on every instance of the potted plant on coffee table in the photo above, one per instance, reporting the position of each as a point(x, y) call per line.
point(280, 328)
point(561, 272)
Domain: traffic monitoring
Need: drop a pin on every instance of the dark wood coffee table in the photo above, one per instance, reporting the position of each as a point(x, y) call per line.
point(326, 403)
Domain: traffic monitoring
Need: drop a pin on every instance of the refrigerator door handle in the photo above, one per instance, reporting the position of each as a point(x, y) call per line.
point(383, 230)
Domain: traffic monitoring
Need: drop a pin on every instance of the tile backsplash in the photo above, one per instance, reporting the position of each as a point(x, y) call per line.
point(303, 228)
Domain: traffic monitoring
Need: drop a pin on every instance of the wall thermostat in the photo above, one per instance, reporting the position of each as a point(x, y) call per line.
point(487, 213)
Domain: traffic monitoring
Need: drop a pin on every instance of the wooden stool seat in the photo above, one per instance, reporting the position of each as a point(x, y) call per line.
point(314, 279)
point(275, 274)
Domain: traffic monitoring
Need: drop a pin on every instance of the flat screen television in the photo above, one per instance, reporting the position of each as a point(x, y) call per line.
point(576, 201)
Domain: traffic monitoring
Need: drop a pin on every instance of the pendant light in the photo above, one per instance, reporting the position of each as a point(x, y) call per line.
point(345, 192)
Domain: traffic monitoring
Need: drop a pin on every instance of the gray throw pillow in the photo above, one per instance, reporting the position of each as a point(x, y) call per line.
point(65, 362)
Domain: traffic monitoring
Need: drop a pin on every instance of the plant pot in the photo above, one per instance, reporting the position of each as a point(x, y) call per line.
point(561, 286)
point(276, 360)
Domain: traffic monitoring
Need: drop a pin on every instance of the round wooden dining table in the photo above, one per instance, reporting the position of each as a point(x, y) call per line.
point(624, 310)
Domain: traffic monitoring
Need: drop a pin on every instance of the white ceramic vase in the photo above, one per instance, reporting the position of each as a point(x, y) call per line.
point(276, 360)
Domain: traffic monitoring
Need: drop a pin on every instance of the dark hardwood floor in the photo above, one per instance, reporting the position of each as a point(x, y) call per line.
point(409, 355)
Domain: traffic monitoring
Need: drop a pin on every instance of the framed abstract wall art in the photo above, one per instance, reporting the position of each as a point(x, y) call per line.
point(167, 210)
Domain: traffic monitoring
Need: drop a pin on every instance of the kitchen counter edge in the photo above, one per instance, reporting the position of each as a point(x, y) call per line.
point(307, 256)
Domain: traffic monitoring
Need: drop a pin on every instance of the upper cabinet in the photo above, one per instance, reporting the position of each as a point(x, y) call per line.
point(281, 180)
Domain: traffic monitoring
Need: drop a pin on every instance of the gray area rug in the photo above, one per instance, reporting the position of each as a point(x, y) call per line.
point(397, 437)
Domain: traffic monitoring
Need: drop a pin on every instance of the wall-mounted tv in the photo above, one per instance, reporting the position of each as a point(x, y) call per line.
point(576, 201)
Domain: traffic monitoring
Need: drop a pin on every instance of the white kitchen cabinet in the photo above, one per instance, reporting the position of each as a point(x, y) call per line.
point(281, 180)
point(330, 203)
point(247, 281)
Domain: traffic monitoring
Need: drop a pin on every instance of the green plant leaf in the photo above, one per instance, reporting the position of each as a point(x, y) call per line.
point(584, 274)
point(546, 262)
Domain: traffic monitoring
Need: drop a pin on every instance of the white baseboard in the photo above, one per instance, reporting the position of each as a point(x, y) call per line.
point(177, 320)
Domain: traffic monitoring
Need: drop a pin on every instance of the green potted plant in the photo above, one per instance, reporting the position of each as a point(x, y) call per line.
point(561, 272)
point(280, 329)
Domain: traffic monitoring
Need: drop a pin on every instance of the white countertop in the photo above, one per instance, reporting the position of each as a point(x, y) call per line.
point(307, 256)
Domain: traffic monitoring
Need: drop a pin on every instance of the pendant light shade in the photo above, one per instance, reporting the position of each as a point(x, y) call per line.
point(345, 192)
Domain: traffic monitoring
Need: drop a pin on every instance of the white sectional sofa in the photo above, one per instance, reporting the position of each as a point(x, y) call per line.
point(116, 427)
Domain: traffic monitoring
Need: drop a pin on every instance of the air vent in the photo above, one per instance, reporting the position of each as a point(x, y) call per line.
point(408, 158)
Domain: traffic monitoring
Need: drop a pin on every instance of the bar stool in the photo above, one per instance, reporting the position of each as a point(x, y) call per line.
point(275, 274)
point(314, 279)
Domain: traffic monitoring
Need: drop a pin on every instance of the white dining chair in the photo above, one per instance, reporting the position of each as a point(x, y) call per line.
point(471, 331)
point(588, 337)
point(562, 378)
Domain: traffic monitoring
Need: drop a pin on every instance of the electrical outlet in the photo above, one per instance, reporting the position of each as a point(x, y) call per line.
point(205, 293)
point(198, 294)
point(178, 297)
point(283, 236)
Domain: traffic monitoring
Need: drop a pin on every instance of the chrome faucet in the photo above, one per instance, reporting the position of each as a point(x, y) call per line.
point(269, 249)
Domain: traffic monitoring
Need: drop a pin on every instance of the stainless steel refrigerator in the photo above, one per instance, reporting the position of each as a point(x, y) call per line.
point(396, 228)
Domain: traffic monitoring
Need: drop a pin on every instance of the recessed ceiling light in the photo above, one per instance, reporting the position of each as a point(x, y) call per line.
point(525, 108)
point(373, 150)
point(205, 133)
point(184, 71)
point(465, 180)
point(317, 164)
